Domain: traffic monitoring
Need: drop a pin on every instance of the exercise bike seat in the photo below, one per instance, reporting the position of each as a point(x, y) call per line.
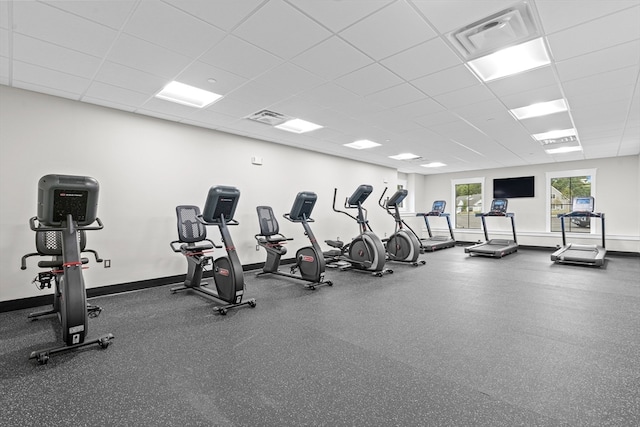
point(270, 230)
point(49, 243)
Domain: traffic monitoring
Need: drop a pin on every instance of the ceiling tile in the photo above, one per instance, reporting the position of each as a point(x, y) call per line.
point(368, 80)
point(561, 14)
point(528, 97)
point(46, 78)
point(166, 26)
point(4, 42)
point(396, 96)
point(547, 123)
point(38, 52)
point(426, 58)
point(240, 57)
point(619, 27)
point(198, 73)
point(464, 96)
point(612, 58)
point(332, 58)
point(448, 80)
point(129, 78)
point(47, 23)
point(115, 94)
point(388, 31)
point(225, 14)
point(336, 15)
point(261, 30)
point(530, 80)
point(288, 79)
point(144, 56)
point(419, 108)
point(106, 12)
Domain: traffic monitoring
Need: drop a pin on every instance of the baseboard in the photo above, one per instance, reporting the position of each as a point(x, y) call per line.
point(40, 300)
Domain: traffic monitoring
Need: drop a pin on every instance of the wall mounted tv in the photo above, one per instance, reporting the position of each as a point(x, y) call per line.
point(511, 188)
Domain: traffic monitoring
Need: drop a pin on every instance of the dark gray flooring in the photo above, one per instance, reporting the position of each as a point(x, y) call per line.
point(462, 341)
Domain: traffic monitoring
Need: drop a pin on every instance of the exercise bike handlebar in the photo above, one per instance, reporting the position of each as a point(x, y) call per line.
point(335, 193)
point(39, 227)
point(288, 216)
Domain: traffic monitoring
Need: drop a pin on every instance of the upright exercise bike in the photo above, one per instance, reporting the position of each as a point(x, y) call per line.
point(67, 207)
point(228, 278)
point(309, 259)
point(366, 251)
point(402, 245)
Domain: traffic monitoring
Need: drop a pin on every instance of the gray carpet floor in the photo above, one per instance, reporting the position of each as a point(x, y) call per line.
point(461, 341)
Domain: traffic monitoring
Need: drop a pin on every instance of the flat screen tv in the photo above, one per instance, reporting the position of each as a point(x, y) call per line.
point(511, 188)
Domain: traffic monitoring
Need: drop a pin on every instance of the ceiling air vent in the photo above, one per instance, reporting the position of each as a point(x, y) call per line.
point(267, 117)
point(506, 28)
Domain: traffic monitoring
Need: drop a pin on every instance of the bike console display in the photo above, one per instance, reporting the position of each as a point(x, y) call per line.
point(221, 202)
point(397, 198)
point(360, 195)
point(62, 195)
point(303, 206)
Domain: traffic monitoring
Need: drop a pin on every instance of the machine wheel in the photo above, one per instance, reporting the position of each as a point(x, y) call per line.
point(42, 358)
point(329, 283)
point(423, 262)
point(378, 274)
point(222, 311)
point(104, 344)
point(252, 304)
point(390, 271)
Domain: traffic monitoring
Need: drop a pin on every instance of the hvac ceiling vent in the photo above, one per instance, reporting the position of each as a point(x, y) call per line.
point(509, 27)
point(267, 117)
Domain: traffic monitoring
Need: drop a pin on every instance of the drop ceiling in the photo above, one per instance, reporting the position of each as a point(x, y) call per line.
point(380, 70)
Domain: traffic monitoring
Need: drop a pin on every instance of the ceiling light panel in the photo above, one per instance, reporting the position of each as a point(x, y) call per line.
point(404, 156)
point(187, 95)
point(433, 165)
point(511, 60)
point(562, 150)
point(298, 126)
point(556, 136)
point(362, 144)
point(540, 109)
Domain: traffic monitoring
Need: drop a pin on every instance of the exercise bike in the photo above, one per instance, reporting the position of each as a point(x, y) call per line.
point(67, 207)
point(309, 259)
point(366, 251)
point(228, 278)
point(402, 245)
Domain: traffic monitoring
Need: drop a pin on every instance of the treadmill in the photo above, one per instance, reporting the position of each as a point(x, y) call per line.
point(496, 248)
point(433, 243)
point(583, 207)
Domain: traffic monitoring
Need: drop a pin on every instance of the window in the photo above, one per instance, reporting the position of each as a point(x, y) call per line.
point(467, 199)
point(562, 187)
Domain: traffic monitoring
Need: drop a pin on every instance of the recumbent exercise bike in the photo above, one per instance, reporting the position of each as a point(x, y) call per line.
point(67, 206)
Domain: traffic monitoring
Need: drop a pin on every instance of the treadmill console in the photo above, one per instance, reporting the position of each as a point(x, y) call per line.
point(583, 204)
point(498, 207)
point(438, 207)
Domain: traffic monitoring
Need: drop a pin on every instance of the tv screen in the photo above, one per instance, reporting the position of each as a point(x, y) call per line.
point(510, 188)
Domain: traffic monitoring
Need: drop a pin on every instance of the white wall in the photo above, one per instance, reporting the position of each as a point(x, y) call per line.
point(617, 195)
point(147, 166)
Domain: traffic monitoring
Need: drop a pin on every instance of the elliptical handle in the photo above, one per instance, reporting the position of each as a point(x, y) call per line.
point(383, 205)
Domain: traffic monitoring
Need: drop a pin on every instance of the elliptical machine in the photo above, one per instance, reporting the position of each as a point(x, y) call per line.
point(67, 206)
point(309, 259)
point(402, 245)
point(228, 277)
point(366, 251)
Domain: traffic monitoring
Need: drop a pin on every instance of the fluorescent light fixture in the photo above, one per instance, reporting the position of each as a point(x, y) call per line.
point(511, 60)
point(540, 109)
point(404, 156)
point(362, 144)
point(561, 150)
point(298, 126)
point(433, 165)
point(187, 95)
point(556, 136)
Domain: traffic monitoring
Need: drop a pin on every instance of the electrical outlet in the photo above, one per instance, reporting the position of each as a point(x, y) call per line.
point(257, 248)
point(107, 263)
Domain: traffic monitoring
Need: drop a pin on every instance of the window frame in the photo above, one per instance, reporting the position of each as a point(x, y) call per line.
point(454, 208)
point(567, 174)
